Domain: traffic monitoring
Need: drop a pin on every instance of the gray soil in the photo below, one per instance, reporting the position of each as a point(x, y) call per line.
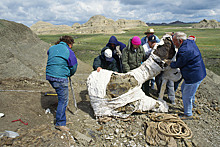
point(24, 98)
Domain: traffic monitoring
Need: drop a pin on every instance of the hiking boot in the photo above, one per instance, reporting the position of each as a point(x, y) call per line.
point(185, 117)
point(62, 128)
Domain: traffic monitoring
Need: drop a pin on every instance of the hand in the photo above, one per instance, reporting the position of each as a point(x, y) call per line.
point(98, 69)
point(167, 61)
point(118, 52)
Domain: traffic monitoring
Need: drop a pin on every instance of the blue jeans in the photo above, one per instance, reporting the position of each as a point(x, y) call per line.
point(169, 87)
point(188, 96)
point(63, 97)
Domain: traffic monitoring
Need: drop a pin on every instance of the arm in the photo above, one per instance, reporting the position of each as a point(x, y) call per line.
point(125, 65)
point(114, 66)
point(97, 63)
point(181, 60)
point(72, 63)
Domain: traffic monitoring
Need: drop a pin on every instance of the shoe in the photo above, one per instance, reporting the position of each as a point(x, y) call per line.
point(62, 128)
point(194, 105)
point(185, 117)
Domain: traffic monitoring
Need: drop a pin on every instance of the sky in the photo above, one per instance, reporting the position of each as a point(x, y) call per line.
point(68, 12)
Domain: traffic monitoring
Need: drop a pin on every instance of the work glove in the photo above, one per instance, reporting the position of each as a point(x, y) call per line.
point(167, 61)
point(118, 52)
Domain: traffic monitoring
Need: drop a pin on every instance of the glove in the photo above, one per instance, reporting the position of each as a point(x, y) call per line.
point(167, 61)
point(118, 52)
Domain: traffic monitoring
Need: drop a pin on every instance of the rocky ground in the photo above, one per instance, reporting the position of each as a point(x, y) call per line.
point(25, 99)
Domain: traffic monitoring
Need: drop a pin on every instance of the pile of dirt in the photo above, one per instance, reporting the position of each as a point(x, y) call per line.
point(23, 54)
point(207, 24)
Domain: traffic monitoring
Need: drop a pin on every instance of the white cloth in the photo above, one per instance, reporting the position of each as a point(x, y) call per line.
point(147, 49)
point(102, 106)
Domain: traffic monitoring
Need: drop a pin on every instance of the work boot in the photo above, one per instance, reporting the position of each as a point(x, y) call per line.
point(62, 128)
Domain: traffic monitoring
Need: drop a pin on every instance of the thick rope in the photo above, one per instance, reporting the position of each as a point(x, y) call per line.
point(171, 125)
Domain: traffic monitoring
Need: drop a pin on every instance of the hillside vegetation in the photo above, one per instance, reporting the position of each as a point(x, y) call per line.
point(88, 46)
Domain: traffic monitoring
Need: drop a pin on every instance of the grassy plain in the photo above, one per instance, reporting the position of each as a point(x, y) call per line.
point(88, 46)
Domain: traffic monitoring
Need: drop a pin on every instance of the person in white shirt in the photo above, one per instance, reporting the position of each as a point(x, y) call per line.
point(148, 47)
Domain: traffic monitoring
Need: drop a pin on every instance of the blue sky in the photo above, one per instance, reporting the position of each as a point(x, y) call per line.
point(69, 12)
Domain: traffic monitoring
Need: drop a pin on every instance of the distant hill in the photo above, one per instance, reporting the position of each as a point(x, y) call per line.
point(95, 25)
point(207, 24)
point(171, 23)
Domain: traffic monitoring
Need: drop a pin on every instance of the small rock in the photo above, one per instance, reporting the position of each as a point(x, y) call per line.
point(123, 135)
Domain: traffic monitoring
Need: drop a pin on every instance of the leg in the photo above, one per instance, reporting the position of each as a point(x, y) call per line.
point(170, 91)
point(188, 94)
point(146, 88)
point(63, 96)
point(176, 84)
point(158, 80)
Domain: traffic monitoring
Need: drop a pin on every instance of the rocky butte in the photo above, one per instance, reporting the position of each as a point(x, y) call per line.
point(207, 24)
point(97, 24)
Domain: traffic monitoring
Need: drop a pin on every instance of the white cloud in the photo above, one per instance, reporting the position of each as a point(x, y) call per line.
point(71, 11)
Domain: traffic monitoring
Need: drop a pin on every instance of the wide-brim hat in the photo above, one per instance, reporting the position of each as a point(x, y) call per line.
point(149, 30)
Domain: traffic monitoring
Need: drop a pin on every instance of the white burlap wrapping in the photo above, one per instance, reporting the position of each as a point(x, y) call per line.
point(97, 83)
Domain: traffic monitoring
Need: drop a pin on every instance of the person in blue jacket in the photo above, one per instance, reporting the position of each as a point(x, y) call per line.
point(148, 33)
point(192, 68)
point(105, 61)
point(116, 47)
point(61, 64)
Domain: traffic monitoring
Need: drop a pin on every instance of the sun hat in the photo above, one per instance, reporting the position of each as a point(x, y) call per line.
point(149, 30)
point(108, 55)
point(136, 40)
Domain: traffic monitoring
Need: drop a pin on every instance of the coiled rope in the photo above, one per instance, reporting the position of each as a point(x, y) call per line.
point(171, 125)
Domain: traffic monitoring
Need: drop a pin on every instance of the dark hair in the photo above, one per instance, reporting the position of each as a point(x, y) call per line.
point(66, 39)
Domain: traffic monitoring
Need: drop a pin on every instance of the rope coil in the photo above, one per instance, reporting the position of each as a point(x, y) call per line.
point(171, 125)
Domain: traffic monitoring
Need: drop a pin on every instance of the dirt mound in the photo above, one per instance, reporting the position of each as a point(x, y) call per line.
point(23, 54)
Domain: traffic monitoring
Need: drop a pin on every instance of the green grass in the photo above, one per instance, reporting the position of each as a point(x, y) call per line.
point(88, 46)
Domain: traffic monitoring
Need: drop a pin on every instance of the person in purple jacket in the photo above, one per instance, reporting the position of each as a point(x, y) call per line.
point(192, 68)
point(116, 47)
point(61, 64)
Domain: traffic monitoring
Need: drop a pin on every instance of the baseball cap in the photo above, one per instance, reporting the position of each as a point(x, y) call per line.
point(152, 38)
point(108, 55)
point(149, 30)
point(192, 38)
